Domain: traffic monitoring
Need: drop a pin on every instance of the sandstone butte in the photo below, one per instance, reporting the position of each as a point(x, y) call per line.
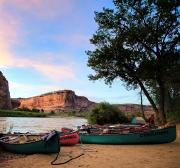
point(62, 100)
point(58, 101)
point(5, 100)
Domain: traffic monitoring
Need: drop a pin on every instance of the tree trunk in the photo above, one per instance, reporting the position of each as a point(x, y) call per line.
point(145, 92)
point(142, 109)
point(167, 104)
point(162, 102)
point(150, 100)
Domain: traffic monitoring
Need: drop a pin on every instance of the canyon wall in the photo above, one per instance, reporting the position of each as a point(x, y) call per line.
point(63, 100)
point(5, 100)
point(135, 108)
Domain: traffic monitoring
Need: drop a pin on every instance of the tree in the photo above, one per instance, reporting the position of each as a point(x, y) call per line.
point(137, 42)
point(105, 113)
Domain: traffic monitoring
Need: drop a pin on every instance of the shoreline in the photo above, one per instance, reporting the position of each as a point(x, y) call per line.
point(106, 156)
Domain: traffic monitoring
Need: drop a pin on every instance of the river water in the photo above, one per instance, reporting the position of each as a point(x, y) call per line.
point(38, 125)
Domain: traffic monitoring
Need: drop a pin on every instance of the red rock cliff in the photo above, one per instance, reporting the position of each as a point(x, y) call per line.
point(134, 108)
point(57, 101)
point(5, 101)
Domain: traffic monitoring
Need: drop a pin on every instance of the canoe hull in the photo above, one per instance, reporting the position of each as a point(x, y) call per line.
point(69, 139)
point(165, 135)
point(41, 146)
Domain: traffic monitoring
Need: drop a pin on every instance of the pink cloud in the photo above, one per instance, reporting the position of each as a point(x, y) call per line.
point(9, 28)
point(44, 8)
point(50, 70)
point(10, 35)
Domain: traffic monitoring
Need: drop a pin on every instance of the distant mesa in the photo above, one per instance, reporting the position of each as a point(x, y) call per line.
point(58, 101)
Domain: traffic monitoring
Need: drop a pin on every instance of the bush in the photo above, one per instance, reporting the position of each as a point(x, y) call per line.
point(104, 113)
point(23, 109)
point(11, 113)
point(52, 112)
point(71, 113)
point(35, 110)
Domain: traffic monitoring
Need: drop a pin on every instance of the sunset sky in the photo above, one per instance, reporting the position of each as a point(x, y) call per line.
point(42, 49)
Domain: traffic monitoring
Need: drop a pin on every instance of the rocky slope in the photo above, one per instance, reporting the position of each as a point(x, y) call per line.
point(135, 108)
point(5, 101)
point(63, 100)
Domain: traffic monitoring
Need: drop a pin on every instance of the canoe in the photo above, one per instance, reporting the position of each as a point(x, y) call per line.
point(153, 136)
point(69, 137)
point(31, 144)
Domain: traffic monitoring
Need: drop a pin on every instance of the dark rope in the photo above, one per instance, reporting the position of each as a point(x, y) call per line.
point(82, 148)
point(53, 162)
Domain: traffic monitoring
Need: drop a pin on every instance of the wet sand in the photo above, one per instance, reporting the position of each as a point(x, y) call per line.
point(103, 156)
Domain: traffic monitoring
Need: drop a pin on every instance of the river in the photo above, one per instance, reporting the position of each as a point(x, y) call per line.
point(38, 125)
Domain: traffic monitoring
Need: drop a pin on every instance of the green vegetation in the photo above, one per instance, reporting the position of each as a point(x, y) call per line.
point(70, 113)
point(34, 110)
point(15, 113)
point(174, 110)
point(104, 113)
point(137, 42)
point(74, 113)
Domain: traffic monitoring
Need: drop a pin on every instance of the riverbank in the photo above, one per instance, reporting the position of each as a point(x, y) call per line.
point(16, 113)
point(106, 156)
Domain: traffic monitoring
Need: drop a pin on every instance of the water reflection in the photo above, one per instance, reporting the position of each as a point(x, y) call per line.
point(38, 125)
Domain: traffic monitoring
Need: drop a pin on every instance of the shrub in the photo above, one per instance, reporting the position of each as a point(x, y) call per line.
point(104, 113)
point(138, 114)
point(35, 110)
point(52, 112)
point(11, 113)
point(23, 109)
point(71, 113)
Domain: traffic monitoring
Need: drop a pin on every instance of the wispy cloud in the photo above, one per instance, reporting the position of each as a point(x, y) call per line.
point(43, 8)
point(50, 70)
point(27, 89)
point(10, 35)
point(9, 29)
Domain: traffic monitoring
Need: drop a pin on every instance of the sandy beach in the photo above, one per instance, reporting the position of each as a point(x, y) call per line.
point(105, 156)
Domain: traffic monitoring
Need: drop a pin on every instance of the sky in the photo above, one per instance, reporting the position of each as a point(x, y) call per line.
point(42, 49)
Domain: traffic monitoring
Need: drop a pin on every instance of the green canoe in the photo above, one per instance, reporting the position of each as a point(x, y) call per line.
point(46, 144)
point(162, 135)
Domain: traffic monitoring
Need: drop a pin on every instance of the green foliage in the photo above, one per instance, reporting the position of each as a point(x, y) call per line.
point(173, 116)
point(71, 113)
point(138, 114)
point(137, 42)
point(174, 110)
point(104, 113)
point(23, 109)
point(52, 112)
point(35, 110)
point(11, 113)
